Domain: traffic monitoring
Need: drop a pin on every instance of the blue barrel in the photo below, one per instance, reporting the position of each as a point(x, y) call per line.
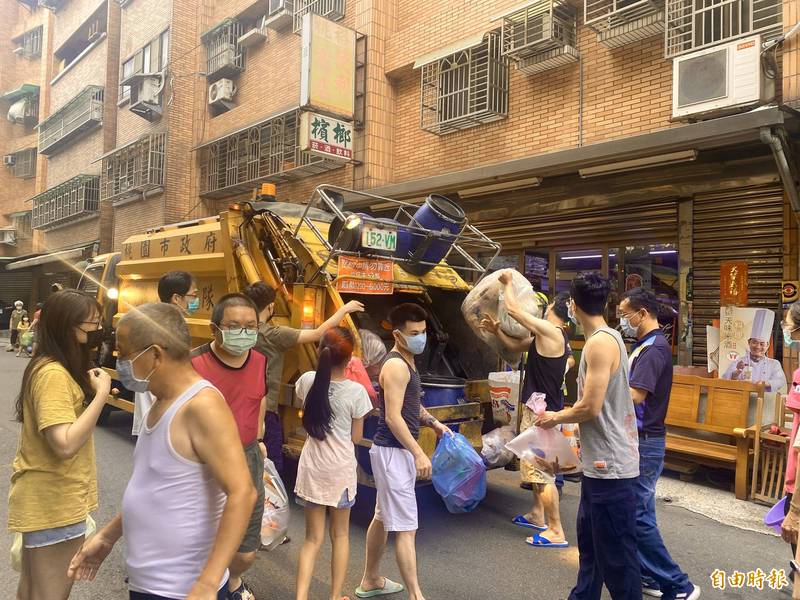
point(438, 214)
point(442, 391)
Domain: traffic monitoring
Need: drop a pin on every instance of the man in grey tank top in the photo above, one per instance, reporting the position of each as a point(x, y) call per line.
point(609, 451)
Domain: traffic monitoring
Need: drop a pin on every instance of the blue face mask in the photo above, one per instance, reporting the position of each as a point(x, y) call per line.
point(128, 379)
point(627, 328)
point(788, 341)
point(415, 343)
point(193, 306)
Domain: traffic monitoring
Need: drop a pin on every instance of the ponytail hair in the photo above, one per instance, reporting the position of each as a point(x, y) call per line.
point(335, 350)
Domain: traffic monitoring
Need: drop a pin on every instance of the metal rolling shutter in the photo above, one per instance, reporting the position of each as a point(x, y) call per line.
point(745, 225)
point(15, 286)
point(653, 221)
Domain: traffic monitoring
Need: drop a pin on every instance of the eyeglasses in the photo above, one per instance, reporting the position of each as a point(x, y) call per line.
point(238, 329)
point(195, 295)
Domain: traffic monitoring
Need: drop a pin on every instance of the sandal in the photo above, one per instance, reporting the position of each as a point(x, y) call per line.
point(389, 587)
point(523, 522)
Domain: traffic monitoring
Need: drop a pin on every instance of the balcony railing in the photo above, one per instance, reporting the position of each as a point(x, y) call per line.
point(74, 200)
point(332, 10)
point(134, 169)
point(621, 22)
point(81, 114)
point(266, 151)
point(224, 56)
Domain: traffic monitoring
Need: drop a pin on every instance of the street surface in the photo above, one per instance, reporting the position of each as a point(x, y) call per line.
point(467, 557)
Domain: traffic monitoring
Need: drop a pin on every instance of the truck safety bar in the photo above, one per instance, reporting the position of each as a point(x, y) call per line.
point(468, 241)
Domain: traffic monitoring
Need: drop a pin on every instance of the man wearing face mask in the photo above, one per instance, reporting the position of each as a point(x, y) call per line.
point(397, 458)
point(274, 341)
point(650, 381)
point(180, 289)
point(238, 370)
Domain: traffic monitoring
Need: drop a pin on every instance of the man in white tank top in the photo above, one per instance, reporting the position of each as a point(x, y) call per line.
point(609, 451)
point(190, 496)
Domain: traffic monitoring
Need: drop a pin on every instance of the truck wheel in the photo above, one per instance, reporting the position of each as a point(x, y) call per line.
point(102, 420)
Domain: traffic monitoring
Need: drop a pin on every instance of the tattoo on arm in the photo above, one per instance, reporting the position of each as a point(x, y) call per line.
point(425, 418)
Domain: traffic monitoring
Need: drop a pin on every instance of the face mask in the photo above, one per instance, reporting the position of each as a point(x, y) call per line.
point(415, 343)
point(93, 338)
point(128, 379)
point(788, 341)
point(238, 342)
point(193, 306)
point(627, 328)
point(571, 314)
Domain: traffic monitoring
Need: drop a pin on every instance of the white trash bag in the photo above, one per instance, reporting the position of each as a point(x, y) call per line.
point(547, 449)
point(494, 451)
point(275, 522)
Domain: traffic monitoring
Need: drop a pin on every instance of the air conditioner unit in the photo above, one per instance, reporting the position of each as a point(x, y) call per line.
point(21, 111)
point(254, 37)
point(221, 92)
point(8, 236)
point(9, 160)
point(722, 79)
point(145, 100)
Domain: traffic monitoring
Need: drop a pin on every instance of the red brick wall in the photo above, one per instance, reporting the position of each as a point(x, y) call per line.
point(68, 236)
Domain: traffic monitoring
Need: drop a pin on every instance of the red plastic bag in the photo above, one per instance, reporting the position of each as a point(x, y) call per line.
point(355, 371)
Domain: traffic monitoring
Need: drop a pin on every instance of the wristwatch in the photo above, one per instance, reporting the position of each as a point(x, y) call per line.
point(794, 566)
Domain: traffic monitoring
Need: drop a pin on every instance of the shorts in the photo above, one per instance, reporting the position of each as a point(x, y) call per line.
point(395, 477)
point(221, 595)
point(53, 536)
point(529, 473)
point(344, 502)
point(255, 464)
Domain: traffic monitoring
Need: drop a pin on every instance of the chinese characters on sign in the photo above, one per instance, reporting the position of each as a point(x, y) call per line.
point(776, 579)
point(325, 136)
point(365, 276)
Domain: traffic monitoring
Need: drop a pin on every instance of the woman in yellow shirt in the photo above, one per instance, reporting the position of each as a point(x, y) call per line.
point(23, 328)
point(54, 481)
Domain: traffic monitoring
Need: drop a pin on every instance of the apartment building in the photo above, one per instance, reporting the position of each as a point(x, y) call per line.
point(582, 135)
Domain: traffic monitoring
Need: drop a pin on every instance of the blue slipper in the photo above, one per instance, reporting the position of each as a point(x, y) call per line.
point(542, 542)
point(523, 522)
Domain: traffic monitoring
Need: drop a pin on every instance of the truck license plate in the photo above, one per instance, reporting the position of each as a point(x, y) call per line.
point(379, 238)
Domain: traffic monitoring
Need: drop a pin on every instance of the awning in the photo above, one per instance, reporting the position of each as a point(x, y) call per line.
point(19, 213)
point(26, 89)
point(462, 44)
point(64, 255)
point(706, 135)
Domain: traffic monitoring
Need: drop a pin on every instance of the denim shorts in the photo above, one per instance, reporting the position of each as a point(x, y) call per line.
point(51, 537)
point(344, 502)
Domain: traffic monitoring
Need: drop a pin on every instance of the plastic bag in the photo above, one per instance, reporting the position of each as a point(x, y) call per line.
point(484, 299)
point(547, 449)
point(16, 544)
point(459, 475)
point(504, 394)
point(494, 451)
point(275, 522)
point(26, 339)
point(355, 371)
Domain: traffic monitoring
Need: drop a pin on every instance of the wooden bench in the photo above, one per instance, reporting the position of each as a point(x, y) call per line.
point(707, 413)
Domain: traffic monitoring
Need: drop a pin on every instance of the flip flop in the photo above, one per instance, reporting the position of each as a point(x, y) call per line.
point(523, 522)
point(542, 542)
point(389, 587)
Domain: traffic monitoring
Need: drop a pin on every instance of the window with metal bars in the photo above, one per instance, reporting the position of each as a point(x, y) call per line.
point(74, 200)
point(224, 56)
point(22, 225)
point(267, 151)
point(25, 163)
point(465, 89)
point(135, 168)
point(29, 44)
point(81, 114)
point(333, 10)
point(151, 58)
point(695, 24)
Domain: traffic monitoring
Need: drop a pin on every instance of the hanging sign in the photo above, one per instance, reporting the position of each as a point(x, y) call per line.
point(365, 276)
point(326, 137)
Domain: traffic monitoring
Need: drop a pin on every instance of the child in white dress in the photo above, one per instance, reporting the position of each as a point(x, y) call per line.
point(333, 416)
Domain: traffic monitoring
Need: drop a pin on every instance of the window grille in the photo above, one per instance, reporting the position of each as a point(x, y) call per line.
point(695, 24)
point(22, 225)
point(465, 89)
point(267, 151)
point(224, 55)
point(330, 9)
point(75, 199)
point(29, 44)
point(25, 163)
point(135, 168)
point(541, 36)
point(620, 22)
point(83, 113)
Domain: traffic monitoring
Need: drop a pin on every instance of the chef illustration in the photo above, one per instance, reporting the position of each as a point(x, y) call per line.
point(755, 365)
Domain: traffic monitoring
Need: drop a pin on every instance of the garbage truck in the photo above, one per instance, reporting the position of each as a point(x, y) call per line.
point(340, 245)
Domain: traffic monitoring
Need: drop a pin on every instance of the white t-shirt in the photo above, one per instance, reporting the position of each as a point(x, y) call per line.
point(349, 400)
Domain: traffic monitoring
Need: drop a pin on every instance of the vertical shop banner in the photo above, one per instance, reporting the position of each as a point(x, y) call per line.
point(733, 284)
point(737, 326)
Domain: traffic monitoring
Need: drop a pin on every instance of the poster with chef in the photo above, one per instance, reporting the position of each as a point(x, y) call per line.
point(744, 343)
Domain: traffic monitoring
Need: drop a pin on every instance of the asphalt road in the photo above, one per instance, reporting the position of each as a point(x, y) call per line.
point(466, 557)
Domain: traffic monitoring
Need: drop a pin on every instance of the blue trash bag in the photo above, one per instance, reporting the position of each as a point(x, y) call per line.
point(459, 475)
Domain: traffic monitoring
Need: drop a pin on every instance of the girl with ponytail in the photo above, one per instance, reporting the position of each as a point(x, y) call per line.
point(333, 416)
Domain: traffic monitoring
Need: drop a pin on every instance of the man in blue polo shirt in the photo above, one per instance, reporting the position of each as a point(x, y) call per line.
point(651, 381)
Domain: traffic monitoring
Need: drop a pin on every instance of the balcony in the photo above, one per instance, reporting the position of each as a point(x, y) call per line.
point(224, 55)
point(81, 114)
point(76, 199)
point(134, 169)
point(621, 22)
point(23, 104)
point(333, 10)
point(266, 152)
